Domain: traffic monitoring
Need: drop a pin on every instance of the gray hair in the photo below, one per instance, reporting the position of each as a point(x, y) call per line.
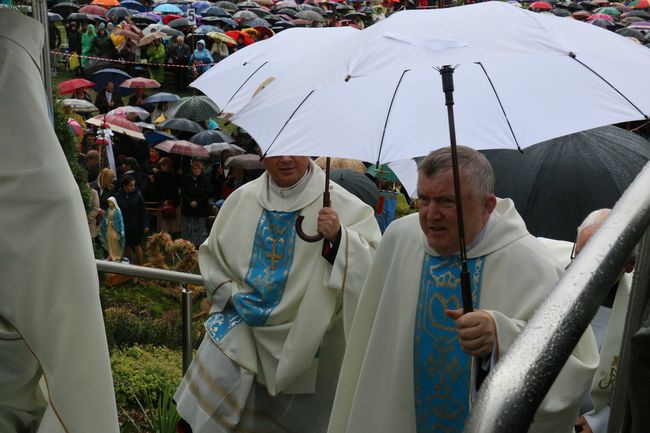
point(473, 164)
point(180, 38)
point(595, 220)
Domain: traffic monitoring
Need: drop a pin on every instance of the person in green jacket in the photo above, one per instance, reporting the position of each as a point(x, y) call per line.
point(156, 55)
point(86, 43)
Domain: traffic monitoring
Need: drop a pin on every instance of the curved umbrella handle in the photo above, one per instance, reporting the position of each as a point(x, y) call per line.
point(304, 236)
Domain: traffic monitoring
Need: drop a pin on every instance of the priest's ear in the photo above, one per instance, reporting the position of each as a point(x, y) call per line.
point(489, 204)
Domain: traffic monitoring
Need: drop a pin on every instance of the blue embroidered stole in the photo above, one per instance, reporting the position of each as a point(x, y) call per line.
point(268, 271)
point(441, 369)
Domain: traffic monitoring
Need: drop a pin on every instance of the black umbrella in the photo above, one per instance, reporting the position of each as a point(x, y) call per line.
point(224, 21)
point(229, 6)
point(117, 13)
point(65, 9)
point(287, 11)
point(638, 13)
point(557, 183)
point(184, 125)
point(117, 76)
point(632, 33)
point(80, 16)
point(213, 136)
point(52, 17)
point(257, 22)
point(179, 22)
point(215, 11)
point(358, 184)
point(561, 12)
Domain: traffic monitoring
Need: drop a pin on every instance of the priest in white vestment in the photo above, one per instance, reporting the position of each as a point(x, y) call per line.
point(407, 367)
point(279, 305)
point(51, 327)
point(608, 325)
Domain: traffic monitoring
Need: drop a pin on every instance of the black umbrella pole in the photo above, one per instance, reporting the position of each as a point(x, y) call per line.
point(447, 74)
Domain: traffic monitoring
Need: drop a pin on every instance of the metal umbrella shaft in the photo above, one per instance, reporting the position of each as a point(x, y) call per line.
point(447, 74)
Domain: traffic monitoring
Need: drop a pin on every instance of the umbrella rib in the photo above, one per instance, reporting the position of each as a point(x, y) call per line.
point(574, 57)
point(246, 81)
point(286, 123)
point(390, 107)
point(500, 105)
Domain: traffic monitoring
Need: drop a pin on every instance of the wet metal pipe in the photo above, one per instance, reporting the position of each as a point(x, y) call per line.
point(161, 274)
point(187, 328)
point(149, 273)
point(509, 397)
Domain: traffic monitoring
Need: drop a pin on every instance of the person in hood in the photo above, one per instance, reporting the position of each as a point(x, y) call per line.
point(201, 58)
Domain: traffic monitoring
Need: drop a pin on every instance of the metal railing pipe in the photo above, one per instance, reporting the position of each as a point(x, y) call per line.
point(165, 275)
point(512, 392)
point(187, 328)
point(149, 273)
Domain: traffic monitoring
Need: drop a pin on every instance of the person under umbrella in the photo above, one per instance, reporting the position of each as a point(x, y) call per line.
point(106, 100)
point(201, 58)
point(178, 54)
point(74, 43)
point(156, 56)
point(102, 45)
point(87, 38)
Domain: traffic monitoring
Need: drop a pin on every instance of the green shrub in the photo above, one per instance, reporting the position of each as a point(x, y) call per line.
point(140, 372)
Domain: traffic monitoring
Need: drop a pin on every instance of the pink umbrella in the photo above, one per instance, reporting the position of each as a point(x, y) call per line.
point(117, 124)
point(94, 10)
point(183, 147)
point(140, 83)
point(76, 127)
point(600, 17)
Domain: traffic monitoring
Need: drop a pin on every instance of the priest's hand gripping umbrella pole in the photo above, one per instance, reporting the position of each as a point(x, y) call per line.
point(447, 74)
point(326, 203)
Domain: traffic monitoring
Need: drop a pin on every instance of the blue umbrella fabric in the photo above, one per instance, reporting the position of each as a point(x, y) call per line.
point(132, 4)
point(184, 125)
point(557, 183)
point(117, 76)
point(168, 9)
point(212, 136)
point(161, 97)
point(155, 137)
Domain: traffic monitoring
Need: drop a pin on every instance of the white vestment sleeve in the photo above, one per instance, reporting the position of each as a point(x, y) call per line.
point(598, 419)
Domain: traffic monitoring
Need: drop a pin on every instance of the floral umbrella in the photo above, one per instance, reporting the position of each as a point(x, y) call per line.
point(183, 147)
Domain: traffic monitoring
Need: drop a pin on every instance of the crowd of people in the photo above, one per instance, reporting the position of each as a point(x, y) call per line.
point(304, 334)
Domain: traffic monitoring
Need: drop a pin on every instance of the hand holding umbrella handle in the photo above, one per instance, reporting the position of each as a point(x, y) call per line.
point(304, 236)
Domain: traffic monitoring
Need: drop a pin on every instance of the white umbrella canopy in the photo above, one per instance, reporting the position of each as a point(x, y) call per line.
point(520, 78)
point(80, 105)
point(232, 82)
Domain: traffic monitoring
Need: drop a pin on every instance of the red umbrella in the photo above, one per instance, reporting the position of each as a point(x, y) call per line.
point(540, 6)
point(183, 147)
point(140, 83)
point(167, 18)
point(94, 10)
point(70, 86)
point(235, 34)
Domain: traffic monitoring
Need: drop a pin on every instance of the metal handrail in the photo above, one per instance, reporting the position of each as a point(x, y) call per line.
point(165, 275)
point(513, 391)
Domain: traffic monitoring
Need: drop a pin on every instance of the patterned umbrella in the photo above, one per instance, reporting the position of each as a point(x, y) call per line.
point(213, 136)
point(80, 105)
point(117, 124)
point(183, 147)
point(196, 108)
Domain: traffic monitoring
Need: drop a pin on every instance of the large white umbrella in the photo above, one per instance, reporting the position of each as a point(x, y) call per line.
point(520, 78)
point(233, 81)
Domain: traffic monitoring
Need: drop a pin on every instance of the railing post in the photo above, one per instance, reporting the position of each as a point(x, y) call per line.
point(186, 305)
